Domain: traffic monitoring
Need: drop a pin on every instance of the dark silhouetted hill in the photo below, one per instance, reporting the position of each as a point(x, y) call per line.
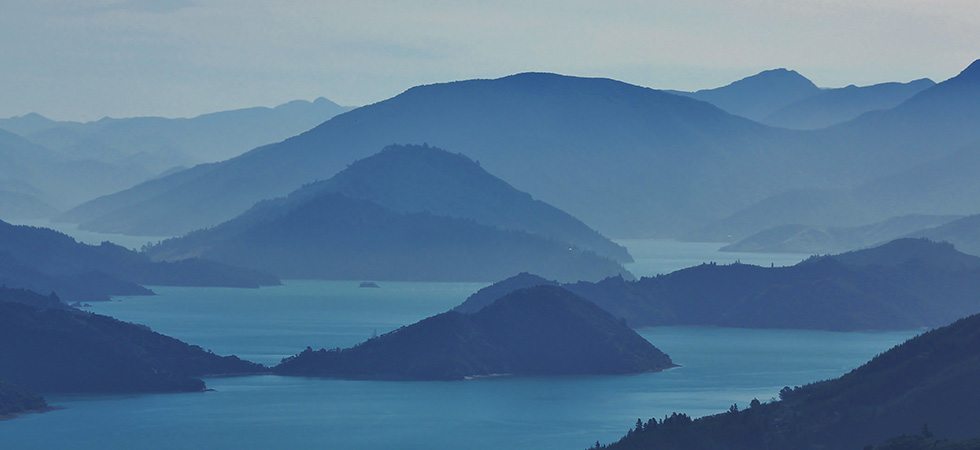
point(833, 106)
point(813, 240)
point(45, 260)
point(927, 382)
point(905, 284)
point(330, 236)
point(17, 400)
point(544, 330)
point(67, 350)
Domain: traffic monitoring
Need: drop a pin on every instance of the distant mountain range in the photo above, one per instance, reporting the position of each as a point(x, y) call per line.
point(784, 98)
point(905, 284)
point(69, 351)
point(47, 261)
point(758, 96)
point(50, 165)
point(924, 389)
point(407, 213)
point(629, 161)
point(813, 240)
point(544, 330)
point(160, 143)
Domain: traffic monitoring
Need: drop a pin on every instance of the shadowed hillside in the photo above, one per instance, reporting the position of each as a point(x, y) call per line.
point(538, 331)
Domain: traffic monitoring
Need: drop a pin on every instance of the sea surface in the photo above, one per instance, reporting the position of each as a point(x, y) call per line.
point(719, 367)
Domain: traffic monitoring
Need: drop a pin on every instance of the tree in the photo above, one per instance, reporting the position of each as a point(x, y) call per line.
point(755, 403)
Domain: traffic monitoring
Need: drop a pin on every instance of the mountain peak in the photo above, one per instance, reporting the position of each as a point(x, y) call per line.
point(972, 72)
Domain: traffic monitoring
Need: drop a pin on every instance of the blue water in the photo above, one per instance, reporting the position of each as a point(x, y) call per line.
point(719, 367)
point(661, 256)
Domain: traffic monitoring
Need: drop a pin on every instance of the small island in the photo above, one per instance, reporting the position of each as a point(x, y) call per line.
point(368, 284)
point(543, 330)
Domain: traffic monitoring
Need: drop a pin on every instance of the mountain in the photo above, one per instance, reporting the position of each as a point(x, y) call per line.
point(627, 160)
point(486, 296)
point(415, 179)
point(929, 382)
point(36, 181)
point(543, 330)
point(813, 240)
point(834, 106)
point(326, 235)
point(612, 154)
point(17, 400)
point(760, 95)
point(904, 284)
point(947, 185)
point(161, 143)
point(45, 260)
point(964, 234)
point(70, 351)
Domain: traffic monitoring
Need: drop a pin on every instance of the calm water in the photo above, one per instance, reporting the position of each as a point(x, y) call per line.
point(657, 256)
point(720, 367)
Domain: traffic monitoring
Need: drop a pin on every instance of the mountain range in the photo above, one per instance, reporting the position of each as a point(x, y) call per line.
point(807, 239)
point(628, 160)
point(543, 330)
point(407, 213)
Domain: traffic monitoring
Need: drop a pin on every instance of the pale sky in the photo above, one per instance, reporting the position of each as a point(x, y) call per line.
point(84, 59)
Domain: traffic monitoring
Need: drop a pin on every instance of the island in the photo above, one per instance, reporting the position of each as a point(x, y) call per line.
point(904, 284)
point(544, 330)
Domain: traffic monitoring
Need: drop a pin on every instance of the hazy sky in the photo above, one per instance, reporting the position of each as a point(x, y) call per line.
point(78, 59)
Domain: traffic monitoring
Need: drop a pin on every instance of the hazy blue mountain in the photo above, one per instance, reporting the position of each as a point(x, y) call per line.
point(760, 95)
point(833, 106)
point(929, 381)
point(964, 234)
point(17, 400)
point(543, 330)
point(158, 143)
point(629, 161)
point(905, 284)
point(36, 181)
point(947, 185)
point(411, 179)
point(47, 261)
point(609, 153)
point(67, 350)
point(326, 235)
point(813, 240)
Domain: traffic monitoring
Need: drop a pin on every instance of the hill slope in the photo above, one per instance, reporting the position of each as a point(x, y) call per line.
point(964, 234)
point(929, 380)
point(47, 261)
point(66, 350)
point(544, 330)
